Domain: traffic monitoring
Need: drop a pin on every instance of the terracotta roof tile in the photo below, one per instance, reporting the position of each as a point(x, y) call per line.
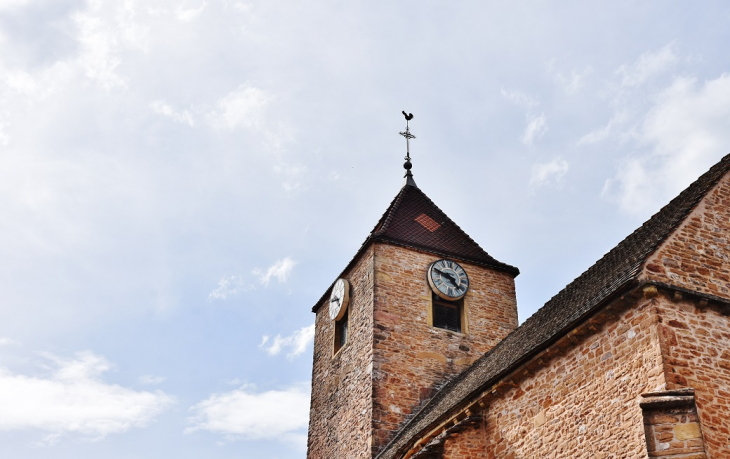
point(427, 222)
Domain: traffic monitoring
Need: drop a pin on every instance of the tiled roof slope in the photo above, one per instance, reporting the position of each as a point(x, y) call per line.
point(413, 220)
point(618, 268)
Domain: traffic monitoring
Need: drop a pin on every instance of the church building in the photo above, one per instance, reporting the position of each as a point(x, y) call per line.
point(418, 352)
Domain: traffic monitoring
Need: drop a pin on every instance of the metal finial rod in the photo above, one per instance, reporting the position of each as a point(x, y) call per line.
point(407, 165)
point(407, 134)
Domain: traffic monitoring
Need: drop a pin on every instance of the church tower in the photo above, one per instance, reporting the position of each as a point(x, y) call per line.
point(419, 302)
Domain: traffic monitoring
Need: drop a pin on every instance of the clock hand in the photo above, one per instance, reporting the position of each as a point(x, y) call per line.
point(335, 299)
point(448, 276)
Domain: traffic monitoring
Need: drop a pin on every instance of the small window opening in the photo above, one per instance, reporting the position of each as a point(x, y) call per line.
point(447, 314)
point(341, 329)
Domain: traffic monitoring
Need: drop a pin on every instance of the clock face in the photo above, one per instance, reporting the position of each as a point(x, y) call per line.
point(339, 298)
point(448, 279)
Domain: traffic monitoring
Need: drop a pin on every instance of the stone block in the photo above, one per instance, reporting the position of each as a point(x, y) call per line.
point(539, 420)
point(431, 355)
point(687, 431)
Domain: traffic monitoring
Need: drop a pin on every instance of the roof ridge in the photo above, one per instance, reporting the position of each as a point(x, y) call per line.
point(656, 217)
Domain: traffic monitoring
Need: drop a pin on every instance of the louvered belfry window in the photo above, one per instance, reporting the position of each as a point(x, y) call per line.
point(447, 314)
point(341, 331)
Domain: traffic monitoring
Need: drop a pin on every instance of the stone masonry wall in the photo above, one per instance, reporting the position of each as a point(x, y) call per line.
point(470, 443)
point(584, 404)
point(696, 340)
point(341, 405)
point(410, 358)
point(696, 343)
point(697, 255)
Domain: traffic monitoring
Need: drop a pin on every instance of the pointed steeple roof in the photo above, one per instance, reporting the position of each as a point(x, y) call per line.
point(413, 220)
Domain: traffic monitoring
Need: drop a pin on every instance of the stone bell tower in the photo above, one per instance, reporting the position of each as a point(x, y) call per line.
point(419, 302)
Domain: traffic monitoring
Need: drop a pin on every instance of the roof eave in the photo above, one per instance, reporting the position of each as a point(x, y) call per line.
point(499, 266)
point(349, 265)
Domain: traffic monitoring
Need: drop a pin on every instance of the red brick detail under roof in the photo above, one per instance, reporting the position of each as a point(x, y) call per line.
point(427, 222)
point(404, 223)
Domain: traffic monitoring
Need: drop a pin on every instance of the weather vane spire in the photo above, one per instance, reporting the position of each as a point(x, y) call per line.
point(407, 165)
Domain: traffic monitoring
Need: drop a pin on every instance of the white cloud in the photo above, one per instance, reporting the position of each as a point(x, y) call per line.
point(573, 82)
point(11, 4)
point(7, 342)
point(230, 286)
point(536, 124)
point(649, 65)
point(279, 270)
point(183, 117)
point(150, 380)
point(548, 173)
point(105, 30)
point(617, 121)
point(521, 99)
point(536, 128)
point(632, 91)
point(678, 127)
point(291, 175)
point(242, 7)
point(245, 414)
point(74, 400)
point(683, 133)
point(39, 85)
point(243, 107)
point(189, 14)
point(4, 136)
point(296, 343)
point(103, 34)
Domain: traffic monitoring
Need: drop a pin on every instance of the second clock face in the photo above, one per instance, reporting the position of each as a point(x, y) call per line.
point(339, 298)
point(448, 279)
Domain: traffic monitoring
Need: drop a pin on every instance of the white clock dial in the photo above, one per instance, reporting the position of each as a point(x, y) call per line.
point(448, 279)
point(339, 298)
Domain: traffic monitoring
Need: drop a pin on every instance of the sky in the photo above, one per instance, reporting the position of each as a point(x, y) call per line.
point(181, 181)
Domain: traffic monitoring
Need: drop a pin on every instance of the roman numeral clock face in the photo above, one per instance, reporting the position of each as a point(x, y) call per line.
point(339, 299)
point(448, 279)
